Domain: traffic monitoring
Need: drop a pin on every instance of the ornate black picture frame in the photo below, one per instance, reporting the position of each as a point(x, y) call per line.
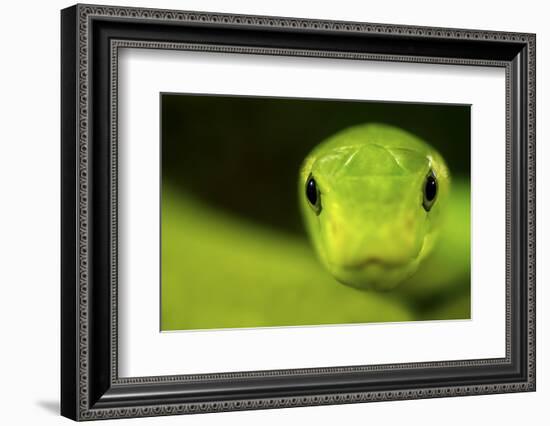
point(91, 387)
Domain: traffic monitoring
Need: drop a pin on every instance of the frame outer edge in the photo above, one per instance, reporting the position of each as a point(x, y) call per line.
point(531, 200)
point(69, 288)
point(83, 197)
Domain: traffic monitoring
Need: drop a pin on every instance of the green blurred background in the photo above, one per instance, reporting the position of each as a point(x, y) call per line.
point(234, 250)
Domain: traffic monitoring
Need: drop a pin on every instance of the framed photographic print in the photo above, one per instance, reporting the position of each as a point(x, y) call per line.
point(263, 212)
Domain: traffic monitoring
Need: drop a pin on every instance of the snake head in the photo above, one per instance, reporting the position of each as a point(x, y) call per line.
point(372, 199)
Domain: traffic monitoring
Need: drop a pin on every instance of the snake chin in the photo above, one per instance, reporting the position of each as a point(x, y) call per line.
point(373, 274)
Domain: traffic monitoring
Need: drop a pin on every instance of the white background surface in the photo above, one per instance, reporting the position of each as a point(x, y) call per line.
point(29, 213)
point(146, 352)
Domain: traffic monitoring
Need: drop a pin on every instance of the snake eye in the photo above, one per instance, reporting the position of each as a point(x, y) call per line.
point(430, 191)
point(313, 195)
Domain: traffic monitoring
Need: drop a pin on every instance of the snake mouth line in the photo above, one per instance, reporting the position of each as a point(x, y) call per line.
point(382, 263)
point(374, 261)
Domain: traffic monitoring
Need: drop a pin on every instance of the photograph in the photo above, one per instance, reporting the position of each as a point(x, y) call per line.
point(280, 212)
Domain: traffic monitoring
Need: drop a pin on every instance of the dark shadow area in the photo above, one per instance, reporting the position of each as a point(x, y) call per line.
point(51, 407)
point(242, 154)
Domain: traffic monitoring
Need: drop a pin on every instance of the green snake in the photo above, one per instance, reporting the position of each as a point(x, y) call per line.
point(373, 198)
